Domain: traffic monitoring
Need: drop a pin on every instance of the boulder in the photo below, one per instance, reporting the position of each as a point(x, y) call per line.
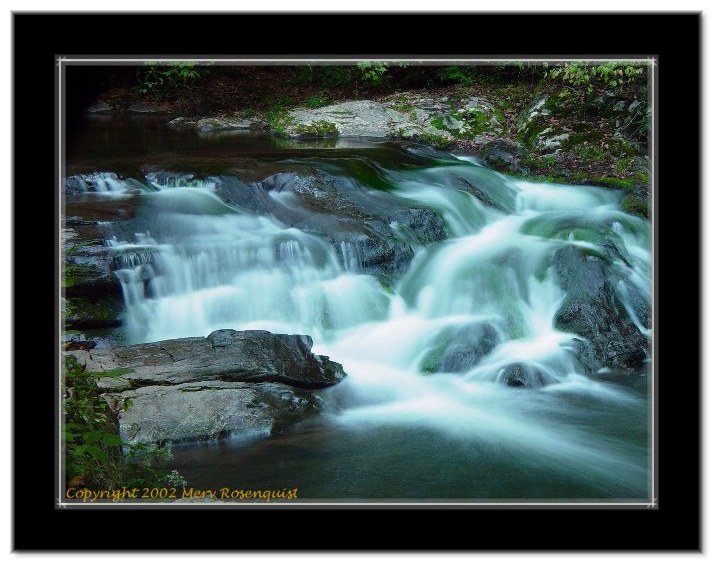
point(225, 355)
point(209, 410)
point(520, 375)
point(231, 383)
point(593, 310)
point(462, 349)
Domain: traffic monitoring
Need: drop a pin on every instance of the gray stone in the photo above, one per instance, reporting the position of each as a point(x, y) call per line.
point(209, 410)
point(225, 355)
point(593, 310)
point(520, 375)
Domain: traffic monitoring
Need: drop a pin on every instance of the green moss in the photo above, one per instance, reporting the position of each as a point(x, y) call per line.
point(590, 152)
point(641, 178)
point(74, 274)
point(404, 107)
point(438, 141)
point(320, 128)
point(438, 123)
point(635, 205)
point(115, 373)
point(622, 165)
point(477, 121)
point(620, 147)
point(612, 182)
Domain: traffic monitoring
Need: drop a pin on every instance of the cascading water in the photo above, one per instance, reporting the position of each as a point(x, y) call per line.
point(437, 355)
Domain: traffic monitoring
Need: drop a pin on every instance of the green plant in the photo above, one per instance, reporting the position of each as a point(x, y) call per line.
point(92, 444)
point(94, 454)
point(458, 74)
point(611, 74)
point(159, 80)
point(372, 71)
point(317, 100)
point(278, 119)
point(622, 165)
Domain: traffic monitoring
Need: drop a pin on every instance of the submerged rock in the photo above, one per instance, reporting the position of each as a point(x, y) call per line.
point(520, 375)
point(462, 349)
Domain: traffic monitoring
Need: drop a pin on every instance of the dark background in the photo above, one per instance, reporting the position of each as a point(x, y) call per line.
point(39, 38)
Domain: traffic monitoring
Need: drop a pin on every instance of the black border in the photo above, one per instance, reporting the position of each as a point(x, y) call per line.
point(673, 38)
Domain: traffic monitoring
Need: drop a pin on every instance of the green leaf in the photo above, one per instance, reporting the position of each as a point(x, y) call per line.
point(111, 440)
point(92, 437)
point(97, 453)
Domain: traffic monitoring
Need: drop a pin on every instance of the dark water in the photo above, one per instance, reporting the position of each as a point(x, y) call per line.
point(390, 431)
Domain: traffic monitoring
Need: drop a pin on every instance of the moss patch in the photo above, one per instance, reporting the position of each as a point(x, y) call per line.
point(320, 128)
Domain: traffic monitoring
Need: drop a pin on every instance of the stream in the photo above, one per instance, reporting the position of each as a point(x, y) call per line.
point(432, 279)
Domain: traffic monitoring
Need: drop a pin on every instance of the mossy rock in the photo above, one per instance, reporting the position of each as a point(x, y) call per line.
point(321, 128)
point(636, 204)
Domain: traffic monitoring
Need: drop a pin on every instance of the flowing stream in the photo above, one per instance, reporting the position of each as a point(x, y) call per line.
point(412, 421)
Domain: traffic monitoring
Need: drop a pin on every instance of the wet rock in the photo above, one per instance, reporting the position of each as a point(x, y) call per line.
point(225, 355)
point(94, 312)
point(244, 383)
point(520, 375)
point(467, 347)
point(503, 155)
point(593, 310)
point(383, 230)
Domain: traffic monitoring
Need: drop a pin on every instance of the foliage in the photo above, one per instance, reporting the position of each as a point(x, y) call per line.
point(318, 100)
point(95, 455)
point(607, 75)
point(372, 72)
point(159, 80)
point(457, 74)
point(92, 446)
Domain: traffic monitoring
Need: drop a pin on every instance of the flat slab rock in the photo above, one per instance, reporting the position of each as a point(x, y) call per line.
point(232, 383)
point(210, 410)
point(225, 355)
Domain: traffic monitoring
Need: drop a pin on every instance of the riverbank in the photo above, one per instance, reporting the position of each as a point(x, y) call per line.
point(555, 128)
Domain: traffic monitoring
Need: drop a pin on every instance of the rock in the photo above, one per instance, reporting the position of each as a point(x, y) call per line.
point(468, 347)
point(98, 107)
point(464, 348)
point(361, 118)
point(548, 143)
point(148, 108)
point(520, 375)
point(210, 410)
point(246, 383)
point(531, 119)
point(382, 229)
point(225, 356)
point(503, 155)
point(593, 310)
point(100, 182)
point(218, 123)
point(224, 123)
point(237, 193)
point(87, 271)
point(94, 312)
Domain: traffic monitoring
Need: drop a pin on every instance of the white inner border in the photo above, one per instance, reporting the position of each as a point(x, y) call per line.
point(66, 61)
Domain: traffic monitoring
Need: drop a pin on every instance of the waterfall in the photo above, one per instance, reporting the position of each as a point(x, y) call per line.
point(434, 349)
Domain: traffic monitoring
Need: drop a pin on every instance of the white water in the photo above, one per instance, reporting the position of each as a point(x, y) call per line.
point(199, 265)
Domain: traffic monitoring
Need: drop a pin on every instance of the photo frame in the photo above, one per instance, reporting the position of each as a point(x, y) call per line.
point(655, 509)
